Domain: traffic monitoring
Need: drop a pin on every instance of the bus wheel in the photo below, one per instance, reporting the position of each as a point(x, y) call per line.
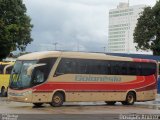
point(3, 92)
point(38, 104)
point(110, 102)
point(57, 100)
point(130, 99)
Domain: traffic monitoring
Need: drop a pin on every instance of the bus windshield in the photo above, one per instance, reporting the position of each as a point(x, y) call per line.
point(19, 78)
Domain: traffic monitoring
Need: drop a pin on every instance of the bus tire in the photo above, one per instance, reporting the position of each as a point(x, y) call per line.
point(37, 104)
point(110, 102)
point(57, 100)
point(3, 92)
point(130, 99)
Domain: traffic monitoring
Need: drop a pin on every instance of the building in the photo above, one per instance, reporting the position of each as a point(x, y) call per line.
point(122, 22)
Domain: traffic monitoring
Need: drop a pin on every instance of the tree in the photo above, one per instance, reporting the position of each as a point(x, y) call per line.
point(147, 31)
point(15, 27)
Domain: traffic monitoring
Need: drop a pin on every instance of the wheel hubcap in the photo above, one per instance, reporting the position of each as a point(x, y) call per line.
point(130, 98)
point(57, 99)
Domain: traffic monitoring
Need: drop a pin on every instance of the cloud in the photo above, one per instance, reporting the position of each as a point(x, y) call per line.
point(74, 24)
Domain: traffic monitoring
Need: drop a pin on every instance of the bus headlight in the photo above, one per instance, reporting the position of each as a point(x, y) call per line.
point(26, 99)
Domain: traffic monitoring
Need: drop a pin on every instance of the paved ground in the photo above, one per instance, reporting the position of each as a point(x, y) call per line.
point(88, 111)
point(78, 108)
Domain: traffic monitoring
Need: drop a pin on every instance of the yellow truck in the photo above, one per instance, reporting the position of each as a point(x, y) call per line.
point(5, 71)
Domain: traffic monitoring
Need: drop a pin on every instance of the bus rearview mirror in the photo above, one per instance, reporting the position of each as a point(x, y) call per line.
point(30, 68)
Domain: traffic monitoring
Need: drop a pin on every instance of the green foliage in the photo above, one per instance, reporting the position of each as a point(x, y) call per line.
point(147, 31)
point(15, 27)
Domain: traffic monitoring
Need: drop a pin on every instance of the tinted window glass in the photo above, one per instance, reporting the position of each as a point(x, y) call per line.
point(66, 66)
point(103, 67)
point(148, 68)
point(123, 68)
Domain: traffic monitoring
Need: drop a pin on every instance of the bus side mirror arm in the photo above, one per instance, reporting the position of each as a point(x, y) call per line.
point(30, 69)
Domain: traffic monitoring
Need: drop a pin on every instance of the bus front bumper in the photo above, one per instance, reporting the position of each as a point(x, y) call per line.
point(20, 97)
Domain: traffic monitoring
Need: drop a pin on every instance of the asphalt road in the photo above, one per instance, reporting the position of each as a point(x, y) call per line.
point(75, 111)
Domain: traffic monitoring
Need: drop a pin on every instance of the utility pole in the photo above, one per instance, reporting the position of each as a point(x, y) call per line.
point(78, 45)
point(55, 45)
point(104, 48)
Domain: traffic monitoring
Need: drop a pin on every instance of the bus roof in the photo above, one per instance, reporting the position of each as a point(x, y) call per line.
point(83, 55)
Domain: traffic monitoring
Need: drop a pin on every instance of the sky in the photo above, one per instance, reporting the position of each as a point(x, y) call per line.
point(74, 25)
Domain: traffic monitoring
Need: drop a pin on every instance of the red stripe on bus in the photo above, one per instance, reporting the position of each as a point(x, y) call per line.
point(143, 60)
point(94, 86)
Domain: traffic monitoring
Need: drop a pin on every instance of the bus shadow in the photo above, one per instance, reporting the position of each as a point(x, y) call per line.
point(43, 106)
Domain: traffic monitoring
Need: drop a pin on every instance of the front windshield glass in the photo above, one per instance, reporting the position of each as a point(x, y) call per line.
point(39, 74)
point(19, 78)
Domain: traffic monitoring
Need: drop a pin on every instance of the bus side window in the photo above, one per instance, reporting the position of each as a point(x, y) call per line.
point(108, 68)
point(102, 68)
point(70, 66)
point(153, 68)
point(145, 69)
point(139, 69)
point(123, 68)
point(82, 66)
point(132, 68)
point(92, 67)
point(66, 66)
point(148, 69)
point(117, 68)
point(114, 68)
